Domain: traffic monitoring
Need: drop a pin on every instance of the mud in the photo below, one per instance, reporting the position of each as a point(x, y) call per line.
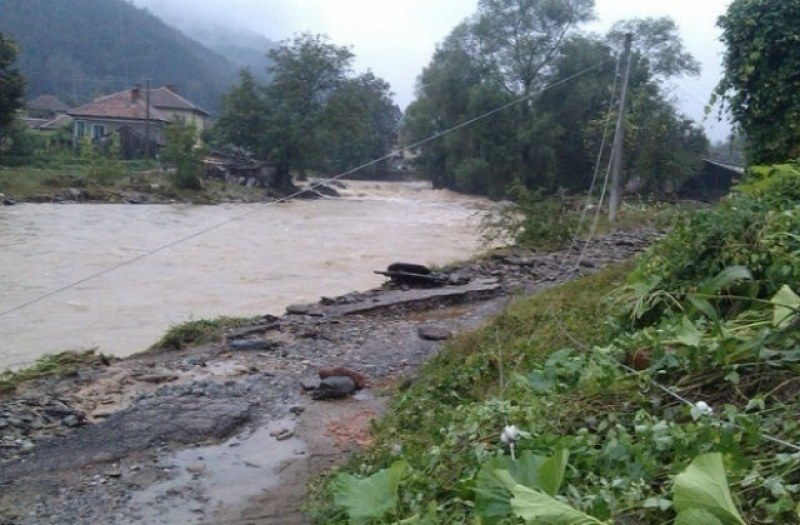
point(217, 434)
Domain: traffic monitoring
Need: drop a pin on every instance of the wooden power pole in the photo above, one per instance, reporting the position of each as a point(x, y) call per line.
point(147, 121)
point(619, 136)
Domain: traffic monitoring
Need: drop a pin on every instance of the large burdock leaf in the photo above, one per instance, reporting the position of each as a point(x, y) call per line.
point(539, 508)
point(370, 497)
point(786, 304)
point(697, 517)
point(498, 476)
point(704, 486)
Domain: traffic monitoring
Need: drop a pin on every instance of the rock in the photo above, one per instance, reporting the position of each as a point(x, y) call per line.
point(8, 202)
point(286, 434)
point(250, 345)
point(434, 333)
point(334, 387)
point(359, 379)
point(298, 309)
point(519, 261)
point(157, 379)
point(588, 263)
point(456, 279)
point(71, 421)
point(309, 383)
point(297, 409)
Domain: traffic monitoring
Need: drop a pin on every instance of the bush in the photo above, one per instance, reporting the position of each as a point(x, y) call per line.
point(532, 220)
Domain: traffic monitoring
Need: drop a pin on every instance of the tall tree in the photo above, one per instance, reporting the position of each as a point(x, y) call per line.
point(241, 114)
point(761, 77)
point(305, 72)
point(507, 52)
point(12, 85)
point(361, 122)
point(313, 113)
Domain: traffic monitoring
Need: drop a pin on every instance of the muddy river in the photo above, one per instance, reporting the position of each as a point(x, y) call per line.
point(263, 258)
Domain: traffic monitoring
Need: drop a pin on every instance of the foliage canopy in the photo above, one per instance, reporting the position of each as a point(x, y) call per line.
point(761, 77)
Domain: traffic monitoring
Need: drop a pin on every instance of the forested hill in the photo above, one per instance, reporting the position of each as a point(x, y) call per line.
point(80, 49)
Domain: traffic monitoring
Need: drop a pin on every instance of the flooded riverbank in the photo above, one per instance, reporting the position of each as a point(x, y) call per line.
point(266, 257)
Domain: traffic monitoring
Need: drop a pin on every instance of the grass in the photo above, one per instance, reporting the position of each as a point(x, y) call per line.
point(456, 406)
point(105, 182)
point(199, 332)
point(61, 364)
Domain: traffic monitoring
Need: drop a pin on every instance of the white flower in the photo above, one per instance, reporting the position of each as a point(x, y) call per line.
point(703, 407)
point(509, 435)
point(700, 409)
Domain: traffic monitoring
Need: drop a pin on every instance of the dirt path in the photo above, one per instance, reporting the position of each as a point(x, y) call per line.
point(226, 433)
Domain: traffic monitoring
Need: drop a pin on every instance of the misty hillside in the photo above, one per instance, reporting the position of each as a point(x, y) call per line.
point(242, 47)
point(80, 49)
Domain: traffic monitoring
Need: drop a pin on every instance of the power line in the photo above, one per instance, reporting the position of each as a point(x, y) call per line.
point(313, 186)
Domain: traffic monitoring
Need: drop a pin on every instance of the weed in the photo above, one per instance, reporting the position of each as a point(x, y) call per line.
point(197, 332)
point(64, 363)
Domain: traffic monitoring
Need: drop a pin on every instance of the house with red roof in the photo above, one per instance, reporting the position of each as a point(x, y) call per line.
point(128, 114)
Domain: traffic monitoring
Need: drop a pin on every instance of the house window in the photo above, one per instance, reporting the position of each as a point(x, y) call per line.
point(98, 131)
point(80, 128)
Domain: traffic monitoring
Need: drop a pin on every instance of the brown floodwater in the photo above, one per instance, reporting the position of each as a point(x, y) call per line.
point(265, 258)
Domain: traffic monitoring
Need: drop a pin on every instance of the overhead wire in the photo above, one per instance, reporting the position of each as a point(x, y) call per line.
point(293, 195)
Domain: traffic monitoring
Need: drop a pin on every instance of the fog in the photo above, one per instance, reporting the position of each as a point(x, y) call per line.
point(396, 40)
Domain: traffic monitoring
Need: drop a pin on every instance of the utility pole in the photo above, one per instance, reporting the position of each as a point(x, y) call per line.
point(147, 120)
point(619, 136)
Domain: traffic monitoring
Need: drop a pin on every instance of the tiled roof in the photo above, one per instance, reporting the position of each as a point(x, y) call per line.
point(165, 97)
point(48, 103)
point(57, 123)
point(126, 104)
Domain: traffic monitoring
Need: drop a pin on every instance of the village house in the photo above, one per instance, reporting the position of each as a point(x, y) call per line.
point(126, 113)
point(46, 113)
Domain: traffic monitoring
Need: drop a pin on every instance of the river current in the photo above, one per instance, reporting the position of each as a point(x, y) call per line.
point(266, 257)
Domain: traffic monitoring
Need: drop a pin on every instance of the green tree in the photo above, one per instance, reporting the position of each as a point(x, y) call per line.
point(241, 114)
point(761, 77)
point(361, 122)
point(313, 114)
point(12, 85)
point(185, 156)
point(305, 72)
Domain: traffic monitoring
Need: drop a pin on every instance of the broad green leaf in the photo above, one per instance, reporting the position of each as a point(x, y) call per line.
point(786, 305)
point(697, 517)
point(539, 508)
point(725, 278)
point(493, 490)
point(704, 485)
point(551, 472)
point(703, 305)
point(688, 334)
point(370, 497)
point(498, 476)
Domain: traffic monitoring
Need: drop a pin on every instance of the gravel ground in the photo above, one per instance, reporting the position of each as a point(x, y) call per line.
point(228, 432)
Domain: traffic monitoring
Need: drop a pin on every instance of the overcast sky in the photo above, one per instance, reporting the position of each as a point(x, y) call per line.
point(396, 39)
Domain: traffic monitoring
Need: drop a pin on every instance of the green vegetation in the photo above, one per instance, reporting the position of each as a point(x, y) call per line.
point(186, 156)
point(12, 85)
point(761, 76)
point(313, 114)
point(198, 332)
point(61, 364)
point(510, 50)
point(710, 313)
point(80, 49)
point(103, 179)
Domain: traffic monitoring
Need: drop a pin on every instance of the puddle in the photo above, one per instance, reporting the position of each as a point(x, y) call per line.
point(218, 478)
